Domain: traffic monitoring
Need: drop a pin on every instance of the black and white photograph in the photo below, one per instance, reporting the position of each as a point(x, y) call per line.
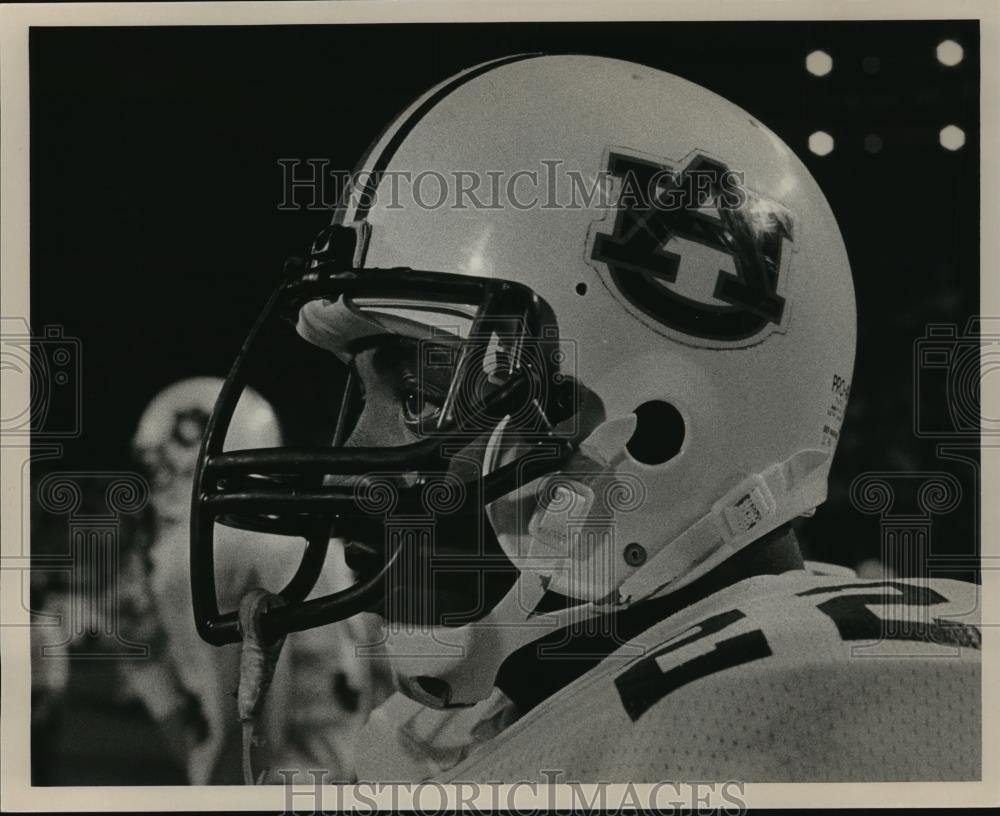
point(404, 402)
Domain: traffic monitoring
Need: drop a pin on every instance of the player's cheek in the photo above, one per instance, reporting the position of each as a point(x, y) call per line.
point(381, 422)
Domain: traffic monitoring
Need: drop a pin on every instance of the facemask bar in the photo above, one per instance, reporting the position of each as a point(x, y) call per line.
point(282, 490)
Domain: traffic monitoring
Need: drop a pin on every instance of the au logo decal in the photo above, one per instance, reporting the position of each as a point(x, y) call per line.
point(703, 201)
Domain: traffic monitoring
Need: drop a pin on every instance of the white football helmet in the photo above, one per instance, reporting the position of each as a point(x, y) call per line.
point(168, 437)
point(650, 343)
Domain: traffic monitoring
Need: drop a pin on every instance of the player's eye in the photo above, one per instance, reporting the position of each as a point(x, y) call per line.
point(418, 408)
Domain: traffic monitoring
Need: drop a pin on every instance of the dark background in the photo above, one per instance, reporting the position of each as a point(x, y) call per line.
point(156, 234)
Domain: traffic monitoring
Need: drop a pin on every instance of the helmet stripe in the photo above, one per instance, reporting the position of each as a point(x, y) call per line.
point(372, 177)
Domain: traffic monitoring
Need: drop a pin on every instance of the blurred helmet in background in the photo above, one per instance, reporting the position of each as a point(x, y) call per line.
point(169, 434)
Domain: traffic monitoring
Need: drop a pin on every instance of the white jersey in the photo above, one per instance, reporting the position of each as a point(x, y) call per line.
point(778, 678)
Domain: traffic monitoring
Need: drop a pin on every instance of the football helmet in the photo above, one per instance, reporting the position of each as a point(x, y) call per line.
point(639, 340)
point(168, 437)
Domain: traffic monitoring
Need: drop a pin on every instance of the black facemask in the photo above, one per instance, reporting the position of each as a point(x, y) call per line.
point(421, 545)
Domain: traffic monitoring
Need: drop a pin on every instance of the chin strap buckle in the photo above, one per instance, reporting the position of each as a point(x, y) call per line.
point(747, 507)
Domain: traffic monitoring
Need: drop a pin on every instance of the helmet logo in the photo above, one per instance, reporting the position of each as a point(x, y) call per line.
point(189, 427)
point(731, 247)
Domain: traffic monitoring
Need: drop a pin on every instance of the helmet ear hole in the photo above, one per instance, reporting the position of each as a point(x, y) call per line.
point(658, 435)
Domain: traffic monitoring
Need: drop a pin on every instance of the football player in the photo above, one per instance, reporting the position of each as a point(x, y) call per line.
point(319, 699)
point(576, 429)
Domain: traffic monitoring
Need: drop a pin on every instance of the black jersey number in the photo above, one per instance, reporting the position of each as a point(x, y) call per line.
point(641, 686)
point(856, 620)
point(653, 677)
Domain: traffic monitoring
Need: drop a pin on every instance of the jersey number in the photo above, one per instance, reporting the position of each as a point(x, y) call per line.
point(648, 681)
point(856, 620)
point(655, 676)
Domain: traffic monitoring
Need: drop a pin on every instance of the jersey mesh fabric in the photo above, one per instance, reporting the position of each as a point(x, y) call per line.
point(816, 701)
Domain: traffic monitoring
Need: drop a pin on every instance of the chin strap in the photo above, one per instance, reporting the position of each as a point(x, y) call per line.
point(258, 660)
point(755, 507)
